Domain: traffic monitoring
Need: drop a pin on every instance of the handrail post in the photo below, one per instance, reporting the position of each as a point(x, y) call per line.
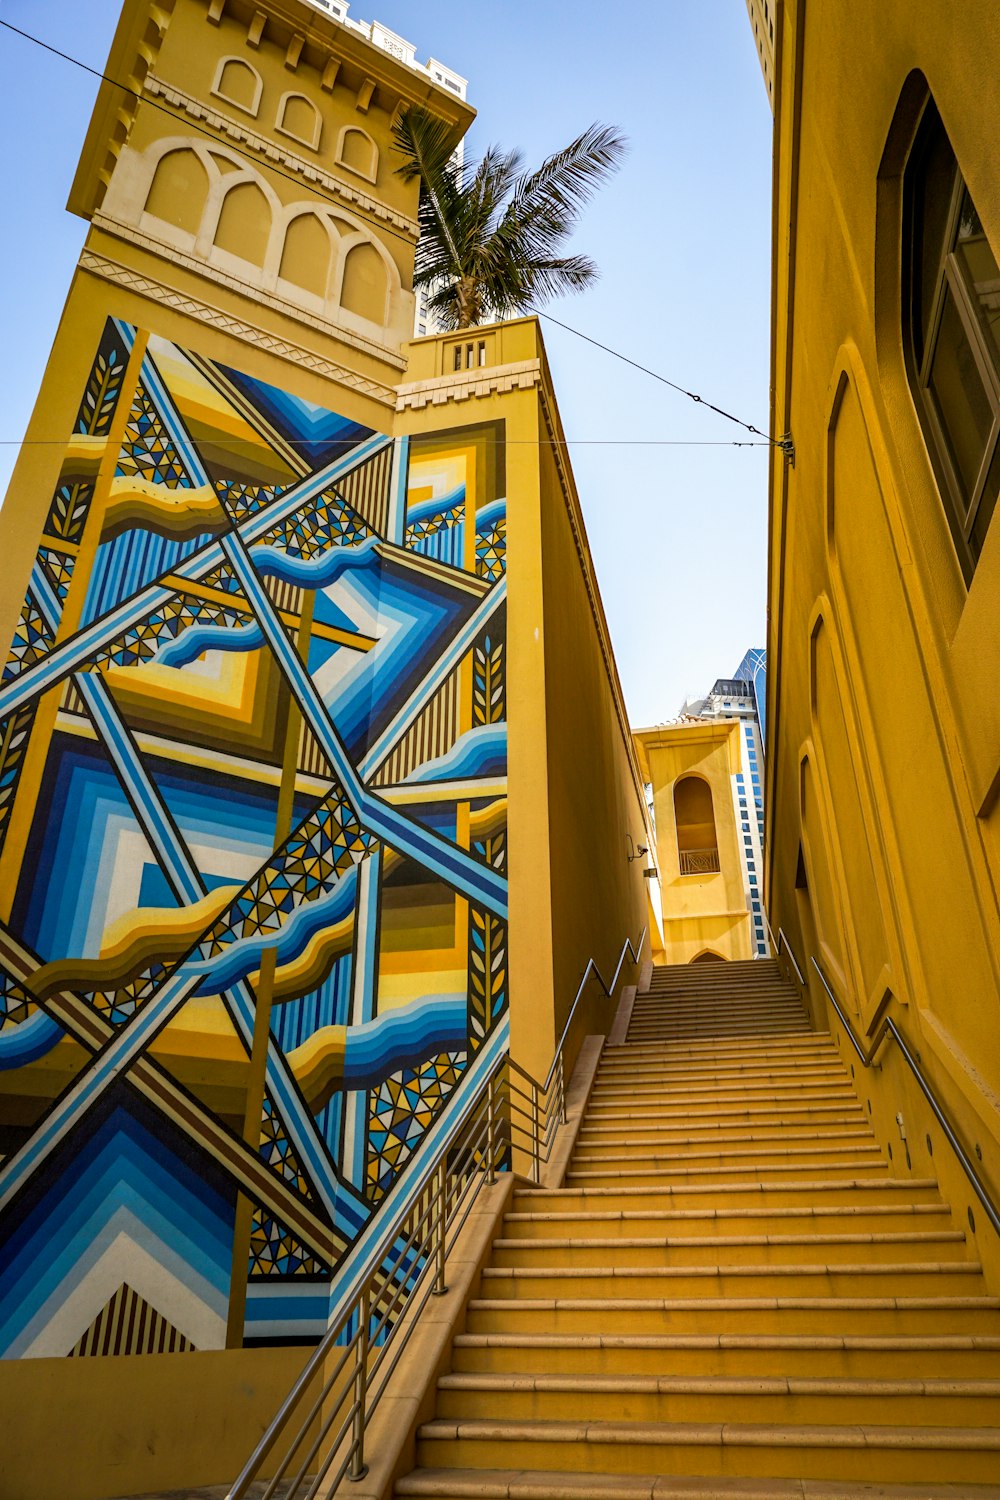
point(359, 1468)
point(535, 1147)
point(562, 1090)
point(491, 1150)
point(440, 1286)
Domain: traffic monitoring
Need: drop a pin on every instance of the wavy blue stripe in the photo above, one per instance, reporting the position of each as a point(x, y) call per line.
point(312, 572)
point(29, 1041)
point(490, 515)
point(244, 957)
point(197, 639)
point(403, 1038)
point(426, 510)
point(478, 752)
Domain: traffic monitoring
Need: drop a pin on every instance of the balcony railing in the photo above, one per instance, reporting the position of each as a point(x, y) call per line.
point(699, 861)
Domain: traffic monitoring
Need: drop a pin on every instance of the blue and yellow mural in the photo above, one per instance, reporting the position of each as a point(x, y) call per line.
point(253, 860)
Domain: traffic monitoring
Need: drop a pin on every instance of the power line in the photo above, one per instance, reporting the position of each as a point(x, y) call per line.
point(504, 442)
point(783, 443)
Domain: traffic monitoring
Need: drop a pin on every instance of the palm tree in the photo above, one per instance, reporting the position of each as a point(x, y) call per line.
point(489, 234)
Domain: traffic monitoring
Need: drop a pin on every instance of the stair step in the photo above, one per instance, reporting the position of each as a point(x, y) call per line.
point(671, 1144)
point(706, 1249)
point(772, 1194)
point(606, 1116)
point(866, 1356)
point(483, 1484)
point(887, 1315)
point(849, 1164)
point(697, 1223)
point(911, 1453)
point(769, 1399)
point(850, 1278)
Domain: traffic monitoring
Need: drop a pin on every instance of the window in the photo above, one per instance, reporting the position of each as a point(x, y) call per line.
point(951, 304)
point(694, 815)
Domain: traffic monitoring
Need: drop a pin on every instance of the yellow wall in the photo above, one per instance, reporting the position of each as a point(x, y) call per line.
point(884, 717)
point(702, 912)
point(576, 792)
point(128, 1425)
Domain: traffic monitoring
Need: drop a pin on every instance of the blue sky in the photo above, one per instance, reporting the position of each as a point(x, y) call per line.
point(682, 237)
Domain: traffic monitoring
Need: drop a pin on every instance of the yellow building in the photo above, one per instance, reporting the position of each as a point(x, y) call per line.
point(884, 639)
point(305, 640)
point(691, 766)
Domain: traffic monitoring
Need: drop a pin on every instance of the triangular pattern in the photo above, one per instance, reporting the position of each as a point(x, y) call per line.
point(58, 567)
point(127, 1324)
point(491, 550)
point(401, 1110)
point(244, 500)
point(148, 449)
point(322, 524)
point(144, 639)
point(15, 731)
point(16, 1005)
point(440, 521)
point(32, 640)
point(276, 1149)
point(321, 849)
point(274, 1250)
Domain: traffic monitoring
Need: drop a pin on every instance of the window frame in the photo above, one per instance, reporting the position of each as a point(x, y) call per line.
point(949, 276)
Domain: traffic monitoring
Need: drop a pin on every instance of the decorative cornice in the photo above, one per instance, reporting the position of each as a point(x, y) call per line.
point(249, 333)
point(522, 375)
point(278, 304)
point(307, 170)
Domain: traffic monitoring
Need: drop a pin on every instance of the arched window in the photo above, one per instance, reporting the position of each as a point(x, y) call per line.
point(178, 191)
point(697, 841)
point(239, 83)
point(305, 256)
point(951, 309)
point(357, 152)
point(245, 223)
point(364, 287)
point(299, 118)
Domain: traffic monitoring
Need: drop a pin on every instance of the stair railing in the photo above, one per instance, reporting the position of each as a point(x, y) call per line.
point(537, 1110)
point(888, 1028)
point(316, 1439)
point(782, 942)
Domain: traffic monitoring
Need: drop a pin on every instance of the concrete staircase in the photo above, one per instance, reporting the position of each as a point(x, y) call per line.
point(730, 1295)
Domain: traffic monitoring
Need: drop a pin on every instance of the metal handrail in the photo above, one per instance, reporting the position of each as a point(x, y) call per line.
point(782, 942)
point(406, 1264)
point(593, 969)
point(888, 1027)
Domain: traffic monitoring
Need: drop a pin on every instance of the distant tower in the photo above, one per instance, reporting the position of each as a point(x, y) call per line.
point(761, 13)
point(425, 320)
point(742, 697)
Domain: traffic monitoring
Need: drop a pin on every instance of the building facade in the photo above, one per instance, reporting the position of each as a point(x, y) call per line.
point(273, 715)
point(883, 764)
point(698, 772)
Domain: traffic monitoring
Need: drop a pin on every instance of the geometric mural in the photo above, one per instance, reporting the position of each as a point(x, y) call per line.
point(253, 854)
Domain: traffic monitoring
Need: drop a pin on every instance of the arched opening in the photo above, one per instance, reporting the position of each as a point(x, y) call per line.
point(358, 152)
point(239, 83)
point(305, 256)
point(299, 118)
point(694, 815)
point(363, 290)
point(708, 957)
point(245, 223)
point(178, 191)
